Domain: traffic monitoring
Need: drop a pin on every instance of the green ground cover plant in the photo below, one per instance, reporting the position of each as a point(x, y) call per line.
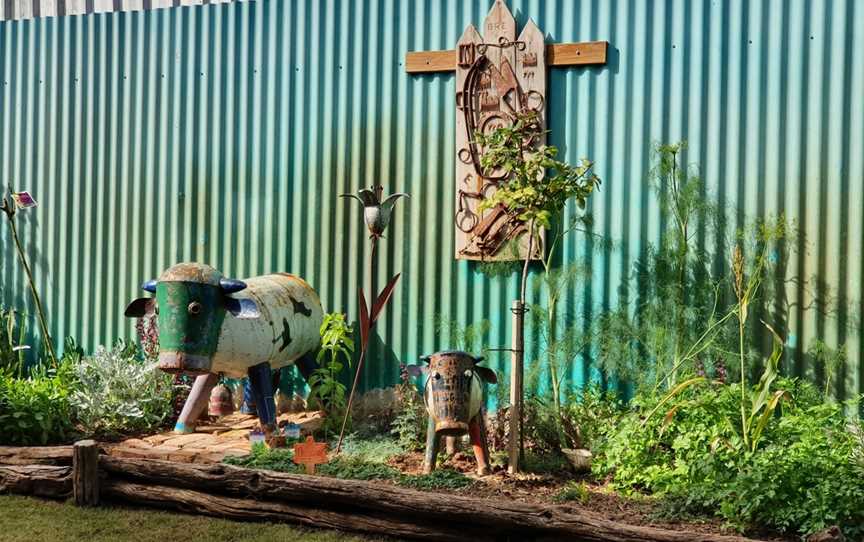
point(359, 460)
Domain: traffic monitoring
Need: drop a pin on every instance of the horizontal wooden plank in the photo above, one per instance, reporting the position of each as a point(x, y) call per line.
point(430, 61)
point(557, 54)
point(576, 54)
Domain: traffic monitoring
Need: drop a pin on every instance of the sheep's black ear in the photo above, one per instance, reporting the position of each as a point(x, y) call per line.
point(486, 374)
point(426, 358)
point(478, 359)
point(143, 306)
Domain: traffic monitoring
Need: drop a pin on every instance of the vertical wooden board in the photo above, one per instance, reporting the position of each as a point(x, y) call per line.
point(499, 23)
point(531, 74)
point(465, 55)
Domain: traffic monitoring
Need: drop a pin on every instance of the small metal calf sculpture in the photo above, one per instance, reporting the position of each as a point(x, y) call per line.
point(454, 400)
point(211, 325)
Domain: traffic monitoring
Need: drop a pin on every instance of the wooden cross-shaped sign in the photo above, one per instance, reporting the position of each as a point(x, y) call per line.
point(498, 77)
point(310, 453)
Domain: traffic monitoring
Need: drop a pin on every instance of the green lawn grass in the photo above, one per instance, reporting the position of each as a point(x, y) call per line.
point(25, 519)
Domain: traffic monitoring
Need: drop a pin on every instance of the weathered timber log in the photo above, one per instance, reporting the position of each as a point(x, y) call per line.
point(85, 473)
point(481, 519)
point(35, 455)
point(38, 480)
point(198, 502)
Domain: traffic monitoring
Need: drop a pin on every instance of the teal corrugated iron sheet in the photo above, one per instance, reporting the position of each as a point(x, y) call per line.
point(225, 133)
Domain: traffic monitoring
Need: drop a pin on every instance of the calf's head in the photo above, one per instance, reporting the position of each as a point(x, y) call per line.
point(454, 390)
point(192, 301)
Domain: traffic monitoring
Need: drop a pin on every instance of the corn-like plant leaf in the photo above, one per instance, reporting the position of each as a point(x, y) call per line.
point(770, 407)
point(667, 419)
point(763, 389)
point(675, 391)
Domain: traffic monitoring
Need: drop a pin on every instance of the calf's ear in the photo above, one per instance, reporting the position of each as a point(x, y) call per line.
point(486, 374)
point(416, 370)
point(245, 309)
point(143, 306)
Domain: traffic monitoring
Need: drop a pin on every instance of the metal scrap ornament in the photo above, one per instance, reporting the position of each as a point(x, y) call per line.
point(376, 213)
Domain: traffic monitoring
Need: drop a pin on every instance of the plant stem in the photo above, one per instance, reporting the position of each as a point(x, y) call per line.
point(528, 257)
point(9, 210)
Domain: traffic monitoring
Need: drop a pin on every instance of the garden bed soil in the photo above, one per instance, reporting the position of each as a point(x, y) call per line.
point(542, 489)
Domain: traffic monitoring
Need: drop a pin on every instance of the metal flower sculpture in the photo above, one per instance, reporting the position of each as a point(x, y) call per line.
point(376, 213)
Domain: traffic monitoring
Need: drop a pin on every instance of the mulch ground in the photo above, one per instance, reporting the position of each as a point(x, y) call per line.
point(211, 443)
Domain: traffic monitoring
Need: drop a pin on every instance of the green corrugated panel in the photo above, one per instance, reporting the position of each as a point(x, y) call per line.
point(224, 134)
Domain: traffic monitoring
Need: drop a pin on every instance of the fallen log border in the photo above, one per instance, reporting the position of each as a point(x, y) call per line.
point(314, 501)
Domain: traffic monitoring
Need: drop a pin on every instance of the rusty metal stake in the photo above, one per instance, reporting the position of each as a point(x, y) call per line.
point(517, 365)
point(363, 346)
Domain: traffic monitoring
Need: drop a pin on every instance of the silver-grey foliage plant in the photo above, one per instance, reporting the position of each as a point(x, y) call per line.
point(117, 392)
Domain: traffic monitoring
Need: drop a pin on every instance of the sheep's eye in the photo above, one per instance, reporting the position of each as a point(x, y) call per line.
point(436, 375)
point(468, 373)
point(194, 307)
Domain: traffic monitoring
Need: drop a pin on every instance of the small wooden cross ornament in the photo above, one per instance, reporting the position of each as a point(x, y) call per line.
point(310, 453)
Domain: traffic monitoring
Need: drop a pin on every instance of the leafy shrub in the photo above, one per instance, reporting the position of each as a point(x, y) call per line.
point(409, 425)
point(117, 392)
point(325, 389)
point(802, 478)
point(36, 410)
point(585, 418)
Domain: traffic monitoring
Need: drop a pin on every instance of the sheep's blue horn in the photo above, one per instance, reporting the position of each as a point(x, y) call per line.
point(229, 286)
point(149, 286)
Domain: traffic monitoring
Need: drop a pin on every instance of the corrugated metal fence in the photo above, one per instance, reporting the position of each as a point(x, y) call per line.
point(28, 9)
point(224, 134)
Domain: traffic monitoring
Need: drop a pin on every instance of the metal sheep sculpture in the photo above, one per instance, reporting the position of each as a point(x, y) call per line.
point(454, 401)
point(211, 325)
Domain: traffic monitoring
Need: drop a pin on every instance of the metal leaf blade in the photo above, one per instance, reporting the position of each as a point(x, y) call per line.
point(383, 298)
point(365, 323)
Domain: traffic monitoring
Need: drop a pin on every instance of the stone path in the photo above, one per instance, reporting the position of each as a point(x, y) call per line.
point(210, 443)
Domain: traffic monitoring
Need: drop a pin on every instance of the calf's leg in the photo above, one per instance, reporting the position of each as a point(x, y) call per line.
point(432, 443)
point(477, 430)
point(196, 402)
point(261, 381)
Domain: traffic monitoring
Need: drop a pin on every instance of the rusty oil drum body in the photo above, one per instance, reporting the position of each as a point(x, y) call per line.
point(453, 391)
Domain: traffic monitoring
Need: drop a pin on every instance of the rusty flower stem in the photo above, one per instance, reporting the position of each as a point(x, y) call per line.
point(350, 400)
point(10, 212)
point(363, 347)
